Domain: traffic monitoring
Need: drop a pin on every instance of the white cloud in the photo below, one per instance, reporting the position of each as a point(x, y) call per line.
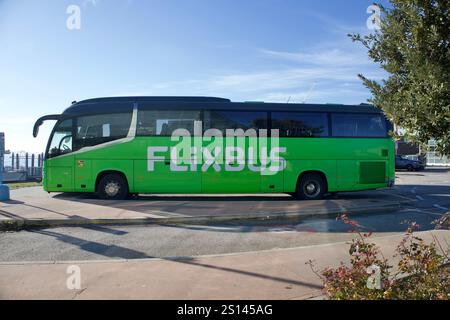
point(331, 57)
point(90, 2)
point(333, 25)
point(316, 94)
point(333, 66)
point(280, 79)
point(332, 82)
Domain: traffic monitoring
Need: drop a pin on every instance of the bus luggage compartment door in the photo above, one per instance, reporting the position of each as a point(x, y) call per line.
point(59, 172)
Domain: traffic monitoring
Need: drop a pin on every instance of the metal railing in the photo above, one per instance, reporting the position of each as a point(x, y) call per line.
point(23, 166)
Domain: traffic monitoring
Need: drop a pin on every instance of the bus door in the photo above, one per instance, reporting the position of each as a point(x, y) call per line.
point(59, 163)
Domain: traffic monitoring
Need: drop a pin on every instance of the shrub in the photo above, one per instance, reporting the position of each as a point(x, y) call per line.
point(422, 271)
point(10, 225)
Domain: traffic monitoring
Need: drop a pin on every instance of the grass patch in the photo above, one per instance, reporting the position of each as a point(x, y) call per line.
point(10, 225)
point(19, 185)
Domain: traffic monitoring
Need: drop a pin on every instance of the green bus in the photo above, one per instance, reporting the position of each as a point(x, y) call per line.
point(122, 146)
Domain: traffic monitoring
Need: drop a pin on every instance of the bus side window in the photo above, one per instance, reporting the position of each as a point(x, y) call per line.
point(97, 129)
point(165, 122)
point(223, 120)
point(296, 124)
point(358, 125)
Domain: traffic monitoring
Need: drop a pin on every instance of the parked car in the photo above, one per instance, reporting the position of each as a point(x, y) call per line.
point(402, 162)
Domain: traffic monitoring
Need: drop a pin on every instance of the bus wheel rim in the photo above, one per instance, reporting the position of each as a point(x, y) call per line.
point(312, 188)
point(112, 188)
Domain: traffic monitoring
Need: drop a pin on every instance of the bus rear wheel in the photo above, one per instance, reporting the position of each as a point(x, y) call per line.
point(113, 187)
point(311, 186)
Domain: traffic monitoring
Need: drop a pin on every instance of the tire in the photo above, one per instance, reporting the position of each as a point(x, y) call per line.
point(113, 186)
point(409, 168)
point(311, 186)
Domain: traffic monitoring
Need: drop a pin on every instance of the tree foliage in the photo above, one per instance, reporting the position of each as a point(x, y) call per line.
point(412, 46)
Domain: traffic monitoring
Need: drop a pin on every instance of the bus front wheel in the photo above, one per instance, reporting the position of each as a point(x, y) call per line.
point(113, 187)
point(311, 186)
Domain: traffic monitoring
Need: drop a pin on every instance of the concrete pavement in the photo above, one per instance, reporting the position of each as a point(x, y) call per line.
point(427, 190)
point(33, 207)
point(273, 274)
point(216, 264)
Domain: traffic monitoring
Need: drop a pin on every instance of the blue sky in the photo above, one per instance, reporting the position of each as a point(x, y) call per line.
point(266, 50)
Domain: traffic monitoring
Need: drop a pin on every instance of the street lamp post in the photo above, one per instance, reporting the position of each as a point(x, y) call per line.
point(4, 189)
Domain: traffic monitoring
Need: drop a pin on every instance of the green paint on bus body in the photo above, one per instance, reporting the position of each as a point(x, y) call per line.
point(129, 136)
point(349, 164)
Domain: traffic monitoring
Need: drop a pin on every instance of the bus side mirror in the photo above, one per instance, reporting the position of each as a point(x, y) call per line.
point(41, 120)
point(36, 128)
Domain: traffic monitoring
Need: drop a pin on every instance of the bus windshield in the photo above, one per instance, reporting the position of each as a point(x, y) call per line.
point(61, 141)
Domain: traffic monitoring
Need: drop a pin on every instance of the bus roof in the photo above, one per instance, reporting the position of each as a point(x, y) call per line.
point(124, 104)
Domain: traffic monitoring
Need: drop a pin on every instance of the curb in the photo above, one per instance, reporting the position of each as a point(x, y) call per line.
point(16, 225)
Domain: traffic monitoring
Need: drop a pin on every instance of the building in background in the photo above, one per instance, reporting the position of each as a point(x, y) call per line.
point(433, 159)
point(403, 147)
point(413, 152)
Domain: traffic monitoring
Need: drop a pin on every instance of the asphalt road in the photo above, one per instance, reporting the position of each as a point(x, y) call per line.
point(425, 196)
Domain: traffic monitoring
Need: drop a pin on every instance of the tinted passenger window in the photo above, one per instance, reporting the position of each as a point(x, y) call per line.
point(358, 125)
point(245, 120)
point(97, 129)
point(164, 123)
point(295, 124)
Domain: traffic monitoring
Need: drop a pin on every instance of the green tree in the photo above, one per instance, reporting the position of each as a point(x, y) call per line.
point(412, 46)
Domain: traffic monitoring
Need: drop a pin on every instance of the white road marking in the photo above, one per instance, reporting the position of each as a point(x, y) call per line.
point(440, 207)
point(414, 190)
point(435, 214)
point(397, 195)
point(280, 230)
point(421, 211)
point(420, 198)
